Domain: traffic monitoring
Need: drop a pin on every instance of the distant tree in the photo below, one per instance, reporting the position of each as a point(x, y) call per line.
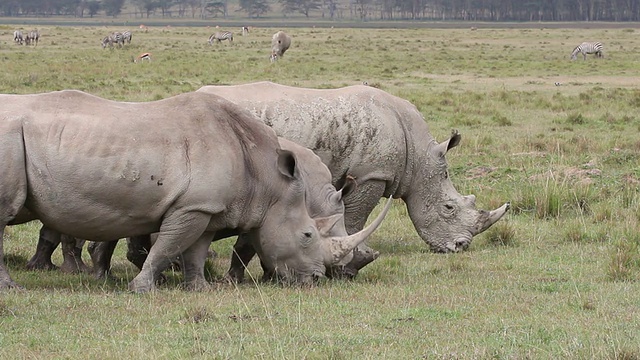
point(165, 6)
point(254, 8)
point(112, 7)
point(215, 8)
point(301, 6)
point(146, 6)
point(93, 7)
point(332, 7)
point(10, 7)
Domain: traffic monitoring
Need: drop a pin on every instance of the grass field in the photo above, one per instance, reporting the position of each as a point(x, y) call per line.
point(557, 277)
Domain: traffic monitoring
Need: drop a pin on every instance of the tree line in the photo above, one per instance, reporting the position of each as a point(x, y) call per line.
point(446, 10)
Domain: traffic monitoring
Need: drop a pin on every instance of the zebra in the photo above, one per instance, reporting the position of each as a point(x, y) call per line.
point(221, 35)
point(32, 37)
point(114, 38)
point(587, 48)
point(106, 41)
point(126, 36)
point(18, 37)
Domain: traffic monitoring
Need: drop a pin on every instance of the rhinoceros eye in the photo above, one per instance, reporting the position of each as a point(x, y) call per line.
point(448, 210)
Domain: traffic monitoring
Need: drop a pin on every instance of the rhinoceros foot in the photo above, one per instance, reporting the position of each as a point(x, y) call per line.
point(7, 283)
point(73, 263)
point(198, 284)
point(41, 260)
point(37, 263)
point(142, 284)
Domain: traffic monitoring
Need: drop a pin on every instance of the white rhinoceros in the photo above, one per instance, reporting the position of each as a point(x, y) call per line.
point(193, 168)
point(381, 140)
point(280, 43)
point(322, 200)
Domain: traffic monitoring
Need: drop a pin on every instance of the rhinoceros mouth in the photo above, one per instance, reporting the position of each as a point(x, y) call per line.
point(457, 245)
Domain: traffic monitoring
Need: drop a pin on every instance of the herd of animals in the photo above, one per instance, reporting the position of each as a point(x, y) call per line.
point(280, 42)
point(29, 38)
point(294, 172)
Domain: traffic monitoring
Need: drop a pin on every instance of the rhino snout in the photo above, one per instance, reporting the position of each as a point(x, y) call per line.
point(457, 245)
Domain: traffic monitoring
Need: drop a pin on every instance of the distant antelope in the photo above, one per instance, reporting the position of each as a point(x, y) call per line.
point(142, 57)
point(143, 28)
point(221, 35)
point(587, 48)
point(245, 31)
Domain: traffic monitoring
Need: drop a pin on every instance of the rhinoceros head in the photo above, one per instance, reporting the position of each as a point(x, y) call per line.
point(302, 248)
point(445, 220)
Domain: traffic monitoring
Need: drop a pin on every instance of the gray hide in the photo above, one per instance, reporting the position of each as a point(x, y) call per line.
point(280, 43)
point(382, 141)
point(193, 168)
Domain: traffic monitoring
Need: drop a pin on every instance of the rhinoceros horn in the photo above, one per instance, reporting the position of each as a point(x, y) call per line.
point(341, 246)
point(487, 219)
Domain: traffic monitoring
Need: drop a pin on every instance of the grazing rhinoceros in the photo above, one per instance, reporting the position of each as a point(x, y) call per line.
point(382, 141)
point(280, 43)
point(193, 168)
point(322, 201)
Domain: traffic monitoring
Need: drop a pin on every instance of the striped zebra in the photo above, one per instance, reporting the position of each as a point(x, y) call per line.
point(126, 36)
point(221, 35)
point(32, 37)
point(587, 48)
point(18, 37)
point(111, 39)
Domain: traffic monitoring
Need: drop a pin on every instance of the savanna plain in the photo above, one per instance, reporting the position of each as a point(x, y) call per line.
point(557, 277)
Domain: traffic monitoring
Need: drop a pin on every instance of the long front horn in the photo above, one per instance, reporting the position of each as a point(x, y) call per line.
point(341, 246)
point(491, 218)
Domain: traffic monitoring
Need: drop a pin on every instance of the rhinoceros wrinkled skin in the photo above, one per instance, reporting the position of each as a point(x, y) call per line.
point(381, 140)
point(193, 168)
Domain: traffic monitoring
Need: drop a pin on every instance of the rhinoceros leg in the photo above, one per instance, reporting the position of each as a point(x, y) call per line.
point(72, 254)
point(101, 253)
point(138, 248)
point(178, 233)
point(5, 279)
point(358, 206)
point(48, 241)
point(242, 254)
point(192, 263)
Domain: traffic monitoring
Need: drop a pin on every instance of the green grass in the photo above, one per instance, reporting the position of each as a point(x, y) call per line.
point(558, 277)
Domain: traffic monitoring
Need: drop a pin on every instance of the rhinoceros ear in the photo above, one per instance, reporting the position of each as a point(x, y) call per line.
point(449, 144)
point(347, 184)
point(286, 163)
